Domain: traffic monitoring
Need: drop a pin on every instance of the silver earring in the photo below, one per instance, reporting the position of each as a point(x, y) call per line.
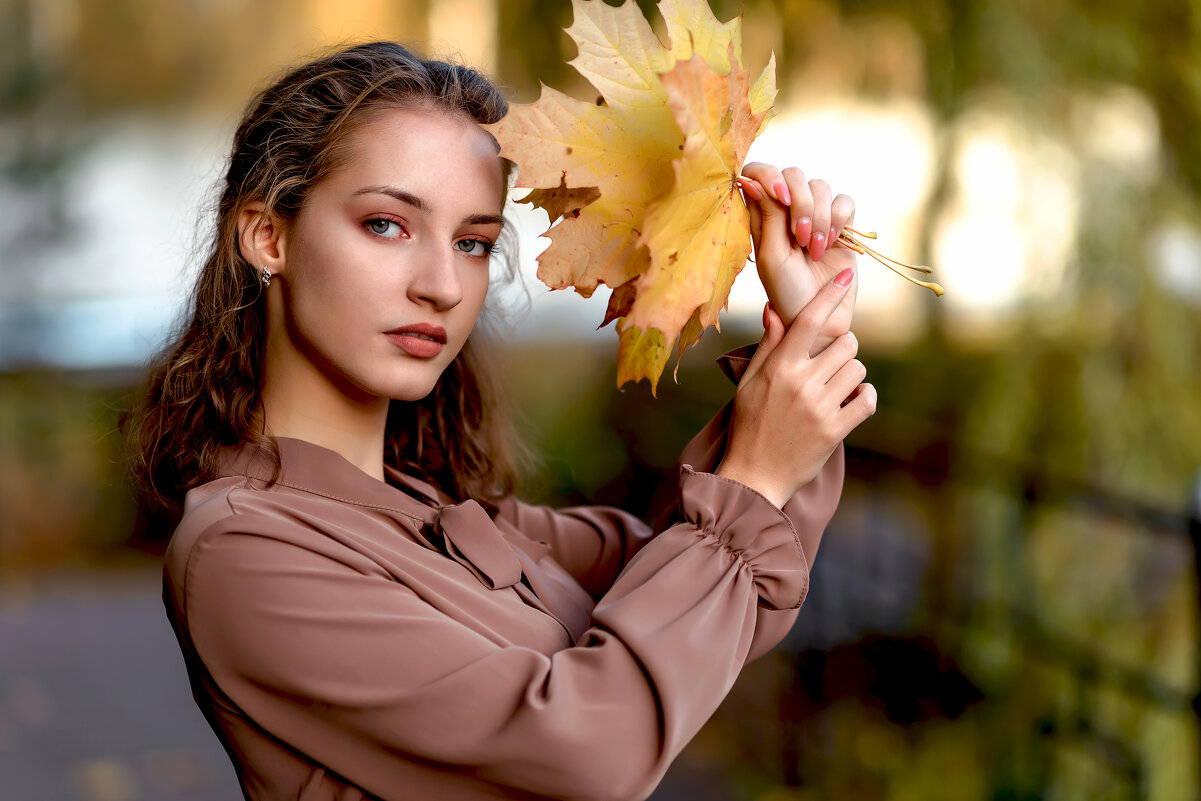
point(266, 277)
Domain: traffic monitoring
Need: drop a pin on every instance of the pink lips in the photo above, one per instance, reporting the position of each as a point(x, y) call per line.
point(422, 340)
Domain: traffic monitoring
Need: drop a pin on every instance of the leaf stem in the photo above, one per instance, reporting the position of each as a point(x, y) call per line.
point(848, 239)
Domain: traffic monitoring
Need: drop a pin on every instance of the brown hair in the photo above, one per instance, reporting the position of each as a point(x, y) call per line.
point(203, 393)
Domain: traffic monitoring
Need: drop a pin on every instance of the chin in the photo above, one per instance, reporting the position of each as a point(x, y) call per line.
point(395, 376)
point(410, 395)
point(412, 383)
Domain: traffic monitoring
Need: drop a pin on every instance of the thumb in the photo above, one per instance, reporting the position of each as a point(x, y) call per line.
point(769, 225)
point(773, 335)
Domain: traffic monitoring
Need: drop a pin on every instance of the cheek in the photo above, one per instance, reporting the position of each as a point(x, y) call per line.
point(336, 263)
point(328, 299)
point(475, 292)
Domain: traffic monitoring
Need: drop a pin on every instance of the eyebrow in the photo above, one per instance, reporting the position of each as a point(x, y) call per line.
point(421, 205)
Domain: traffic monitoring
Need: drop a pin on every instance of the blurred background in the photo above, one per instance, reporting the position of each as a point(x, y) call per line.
point(1005, 606)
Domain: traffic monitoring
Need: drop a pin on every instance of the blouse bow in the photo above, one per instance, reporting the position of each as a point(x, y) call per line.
point(472, 540)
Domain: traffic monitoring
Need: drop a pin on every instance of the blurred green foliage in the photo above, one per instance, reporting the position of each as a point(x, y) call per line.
point(63, 494)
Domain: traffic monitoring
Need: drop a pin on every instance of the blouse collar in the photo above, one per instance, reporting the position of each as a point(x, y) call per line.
point(466, 528)
point(322, 471)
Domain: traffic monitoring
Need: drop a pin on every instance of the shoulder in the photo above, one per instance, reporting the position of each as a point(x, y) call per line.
point(227, 524)
point(225, 505)
point(222, 509)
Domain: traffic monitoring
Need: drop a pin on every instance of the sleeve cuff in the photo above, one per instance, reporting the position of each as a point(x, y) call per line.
point(734, 363)
point(753, 529)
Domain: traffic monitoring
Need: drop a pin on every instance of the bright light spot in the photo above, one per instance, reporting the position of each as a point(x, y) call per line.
point(1120, 127)
point(130, 224)
point(1006, 234)
point(989, 162)
point(471, 26)
point(337, 21)
point(1176, 254)
point(981, 263)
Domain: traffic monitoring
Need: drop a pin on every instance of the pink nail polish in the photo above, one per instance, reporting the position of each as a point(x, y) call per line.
point(782, 193)
point(833, 236)
point(751, 190)
point(803, 230)
point(844, 278)
point(817, 246)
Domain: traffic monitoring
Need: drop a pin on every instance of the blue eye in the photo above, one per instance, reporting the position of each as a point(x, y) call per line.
point(475, 247)
point(383, 227)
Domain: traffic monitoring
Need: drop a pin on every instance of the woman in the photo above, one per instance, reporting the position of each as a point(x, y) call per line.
point(364, 609)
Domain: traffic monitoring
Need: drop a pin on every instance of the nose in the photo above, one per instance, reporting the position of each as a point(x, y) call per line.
point(435, 279)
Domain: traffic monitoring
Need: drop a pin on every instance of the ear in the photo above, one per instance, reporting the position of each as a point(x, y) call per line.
point(261, 238)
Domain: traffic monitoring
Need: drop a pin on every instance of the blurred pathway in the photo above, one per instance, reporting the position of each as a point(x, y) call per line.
point(94, 698)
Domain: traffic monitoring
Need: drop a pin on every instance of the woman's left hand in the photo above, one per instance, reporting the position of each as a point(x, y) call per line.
point(793, 224)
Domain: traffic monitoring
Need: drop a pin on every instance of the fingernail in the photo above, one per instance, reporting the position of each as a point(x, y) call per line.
point(833, 236)
point(817, 246)
point(766, 306)
point(782, 193)
point(843, 279)
point(750, 190)
point(803, 229)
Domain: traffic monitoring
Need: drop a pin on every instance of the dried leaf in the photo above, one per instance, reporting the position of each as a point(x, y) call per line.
point(699, 234)
point(642, 180)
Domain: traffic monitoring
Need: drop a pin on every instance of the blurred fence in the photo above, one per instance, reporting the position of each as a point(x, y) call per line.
point(1039, 709)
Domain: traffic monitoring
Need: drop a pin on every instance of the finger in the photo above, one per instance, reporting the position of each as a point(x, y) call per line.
point(842, 214)
point(837, 355)
point(752, 195)
point(801, 210)
point(773, 333)
point(772, 243)
point(770, 178)
point(858, 409)
point(854, 394)
point(756, 224)
point(808, 324)
point(846, 380)
point(821, 218)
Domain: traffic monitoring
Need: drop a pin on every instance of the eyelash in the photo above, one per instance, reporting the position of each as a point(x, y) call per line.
point(369, 225)
point(489, 247)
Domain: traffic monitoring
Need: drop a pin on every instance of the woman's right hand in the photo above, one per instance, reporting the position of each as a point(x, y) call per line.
point(791, 410)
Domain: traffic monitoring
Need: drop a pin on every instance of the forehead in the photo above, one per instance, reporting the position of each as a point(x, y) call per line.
point(421, 149)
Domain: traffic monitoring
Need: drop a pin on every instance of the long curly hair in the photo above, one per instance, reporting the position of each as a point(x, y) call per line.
point(203, 393)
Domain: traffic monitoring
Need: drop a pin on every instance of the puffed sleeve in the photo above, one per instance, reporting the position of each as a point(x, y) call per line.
point(362, 675)
point(592, 542)
point(595, 543)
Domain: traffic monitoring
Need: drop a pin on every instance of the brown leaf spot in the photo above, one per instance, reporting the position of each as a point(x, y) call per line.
point(620, 302)
point(562, 201)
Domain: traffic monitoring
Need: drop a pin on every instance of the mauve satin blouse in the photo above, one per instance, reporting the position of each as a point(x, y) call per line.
point(351, 638)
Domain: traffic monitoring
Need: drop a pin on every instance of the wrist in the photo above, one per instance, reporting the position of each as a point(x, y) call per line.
point(776, 495)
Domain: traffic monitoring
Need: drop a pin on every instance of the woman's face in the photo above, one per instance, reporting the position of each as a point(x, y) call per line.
point(386, 267)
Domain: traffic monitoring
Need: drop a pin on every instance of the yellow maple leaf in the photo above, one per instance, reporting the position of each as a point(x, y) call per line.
point(639, 185)
point(699, 234)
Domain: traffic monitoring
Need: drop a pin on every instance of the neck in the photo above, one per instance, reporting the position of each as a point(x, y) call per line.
point(306, 405)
